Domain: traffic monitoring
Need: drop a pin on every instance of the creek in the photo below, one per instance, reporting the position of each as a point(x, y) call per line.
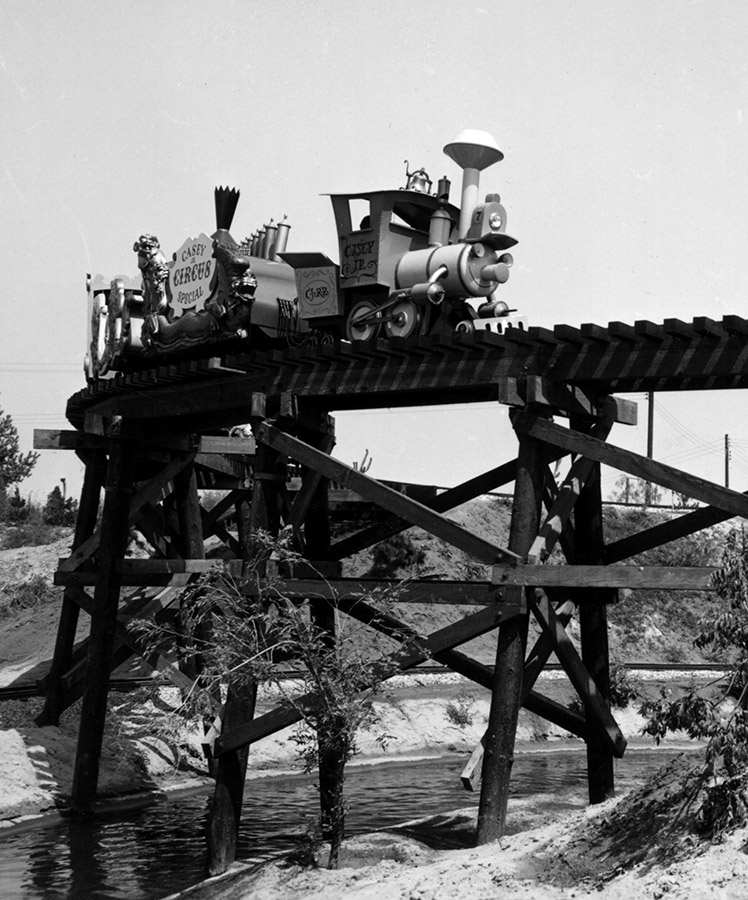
point(158, 850)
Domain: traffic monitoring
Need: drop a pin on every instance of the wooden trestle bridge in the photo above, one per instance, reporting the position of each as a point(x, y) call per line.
point(154, 439)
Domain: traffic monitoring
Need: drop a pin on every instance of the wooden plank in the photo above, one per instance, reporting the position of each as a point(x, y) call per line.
point(56, 439)
point(413, 654)
point(634, 464)
point(666, 578)
point(467, 593)
point(584, 685)
point(416, 513)
point(228, 445)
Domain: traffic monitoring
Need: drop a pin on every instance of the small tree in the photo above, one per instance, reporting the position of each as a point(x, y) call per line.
point(257, 632)
point(14, 465)
point(718, 716)
point(59, 510)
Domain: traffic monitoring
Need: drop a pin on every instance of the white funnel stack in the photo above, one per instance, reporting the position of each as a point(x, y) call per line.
point(473, 151)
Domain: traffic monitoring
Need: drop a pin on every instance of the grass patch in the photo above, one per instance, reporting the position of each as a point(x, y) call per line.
point(25, 594)
point(30, 534)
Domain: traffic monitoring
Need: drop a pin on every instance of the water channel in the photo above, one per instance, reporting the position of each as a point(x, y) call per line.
point(156, 851)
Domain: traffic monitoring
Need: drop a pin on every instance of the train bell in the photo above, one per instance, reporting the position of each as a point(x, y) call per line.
point(417, 181)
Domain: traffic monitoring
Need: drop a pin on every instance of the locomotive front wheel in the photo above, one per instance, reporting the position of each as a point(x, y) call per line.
point(361, 324)
point(403, 319)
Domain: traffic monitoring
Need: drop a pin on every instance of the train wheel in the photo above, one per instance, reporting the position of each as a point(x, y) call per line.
point(357, 330)
point(404, 319)
point(465, 327)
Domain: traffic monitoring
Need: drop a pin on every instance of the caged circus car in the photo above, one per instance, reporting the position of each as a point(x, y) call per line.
point(411, 263)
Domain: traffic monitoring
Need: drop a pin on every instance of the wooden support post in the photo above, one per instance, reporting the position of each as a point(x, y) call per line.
point(231, 768)
point(114, 531)
point(510, 654)
point(231, 772)
point(593, 622)
point(332, 755)
point(190, 544)
point(85, 525)
point(315, 511)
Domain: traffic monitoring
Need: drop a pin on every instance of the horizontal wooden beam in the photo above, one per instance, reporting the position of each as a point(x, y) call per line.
point(55, 439)
point(414, 512)
point(68, 439)
point(633, 463)
point(459, 593)
point(665, 578)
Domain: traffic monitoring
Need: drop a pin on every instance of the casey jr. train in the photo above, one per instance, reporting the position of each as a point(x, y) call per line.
point(411, 264)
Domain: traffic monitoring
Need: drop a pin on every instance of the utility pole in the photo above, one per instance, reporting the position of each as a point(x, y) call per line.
point(650, 441)
point(727, 460)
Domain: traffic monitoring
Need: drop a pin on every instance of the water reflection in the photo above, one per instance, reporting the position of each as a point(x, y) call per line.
point(150, 853)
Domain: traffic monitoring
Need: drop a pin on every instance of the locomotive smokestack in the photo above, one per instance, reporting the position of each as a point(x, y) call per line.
point(226, 200)
point(473, 151)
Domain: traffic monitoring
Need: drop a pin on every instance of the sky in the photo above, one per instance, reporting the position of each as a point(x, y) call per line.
point(625, 175)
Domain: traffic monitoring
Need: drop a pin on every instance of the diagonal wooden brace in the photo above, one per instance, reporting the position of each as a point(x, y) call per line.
point(601, 717)
point(633, 463)
point(392, 500)
point(414, 652)
point(152, 492)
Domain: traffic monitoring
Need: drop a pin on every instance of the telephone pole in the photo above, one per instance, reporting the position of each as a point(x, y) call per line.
point(727, 460)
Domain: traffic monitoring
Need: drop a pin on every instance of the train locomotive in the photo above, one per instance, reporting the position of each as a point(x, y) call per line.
point(411, 264)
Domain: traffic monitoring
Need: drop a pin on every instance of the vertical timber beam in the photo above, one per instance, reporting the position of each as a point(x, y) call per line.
point(114, 531)
point(85, 525)
point(191, 546)
point(317, 515)
point(506, 695)
point(593, 624)
point(231, 768)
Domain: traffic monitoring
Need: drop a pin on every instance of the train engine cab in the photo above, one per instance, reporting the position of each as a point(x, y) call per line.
point(412, 263)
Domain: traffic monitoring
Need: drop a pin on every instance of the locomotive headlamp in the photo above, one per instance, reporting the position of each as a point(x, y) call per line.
point(495, 221)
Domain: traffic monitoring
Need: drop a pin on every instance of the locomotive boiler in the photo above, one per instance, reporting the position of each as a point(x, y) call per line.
point(410, 263)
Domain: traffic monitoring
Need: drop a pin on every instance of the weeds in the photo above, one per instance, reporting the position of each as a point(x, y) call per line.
point(24, 595)
point(461, 711)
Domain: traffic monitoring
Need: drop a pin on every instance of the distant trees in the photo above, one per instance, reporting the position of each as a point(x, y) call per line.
point(59, 510)
point(14, 465)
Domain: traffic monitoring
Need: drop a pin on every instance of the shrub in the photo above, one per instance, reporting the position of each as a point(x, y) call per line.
point(394, 555)
point(30, 534)
point(461, 711)
point(249, 631)
point(720, 718)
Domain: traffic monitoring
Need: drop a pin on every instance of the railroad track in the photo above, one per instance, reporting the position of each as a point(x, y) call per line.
point(123, 685)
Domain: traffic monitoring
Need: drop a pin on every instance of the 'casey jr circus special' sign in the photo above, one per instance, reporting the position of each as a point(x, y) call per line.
point(192, 273)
